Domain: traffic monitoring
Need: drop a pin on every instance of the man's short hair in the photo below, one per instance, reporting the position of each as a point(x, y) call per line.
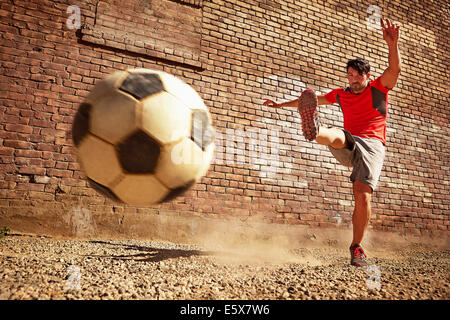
point(360, 65)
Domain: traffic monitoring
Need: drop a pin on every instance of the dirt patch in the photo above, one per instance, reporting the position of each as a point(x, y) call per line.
point(227, 260)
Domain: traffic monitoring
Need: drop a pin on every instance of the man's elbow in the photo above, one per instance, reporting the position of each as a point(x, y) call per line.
point(395, 70)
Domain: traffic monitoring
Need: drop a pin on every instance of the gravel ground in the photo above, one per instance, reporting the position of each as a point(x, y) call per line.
point(33, 267)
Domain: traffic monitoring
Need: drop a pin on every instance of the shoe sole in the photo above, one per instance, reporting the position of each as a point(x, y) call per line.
point(359, 264)
point(307, 106)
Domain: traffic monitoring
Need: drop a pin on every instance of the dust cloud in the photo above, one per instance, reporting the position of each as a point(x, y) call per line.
point(259, 243)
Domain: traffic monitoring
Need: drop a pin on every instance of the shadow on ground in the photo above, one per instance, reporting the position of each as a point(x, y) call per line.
point(149, 254)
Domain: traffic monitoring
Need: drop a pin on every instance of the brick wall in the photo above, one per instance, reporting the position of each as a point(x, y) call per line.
point(236, 54)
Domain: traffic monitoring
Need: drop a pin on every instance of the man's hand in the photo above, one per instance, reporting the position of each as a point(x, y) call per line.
point(390, 32)
point(271, 103)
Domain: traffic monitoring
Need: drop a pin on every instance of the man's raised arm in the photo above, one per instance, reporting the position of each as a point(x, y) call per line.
point(391, 35)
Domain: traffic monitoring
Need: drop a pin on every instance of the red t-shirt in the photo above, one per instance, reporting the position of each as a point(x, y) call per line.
point(364, 113)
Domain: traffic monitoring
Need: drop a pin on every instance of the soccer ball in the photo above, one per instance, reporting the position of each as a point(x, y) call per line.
point(143, 137)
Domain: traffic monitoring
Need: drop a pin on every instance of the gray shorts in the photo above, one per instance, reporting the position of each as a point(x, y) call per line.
point(366, 157)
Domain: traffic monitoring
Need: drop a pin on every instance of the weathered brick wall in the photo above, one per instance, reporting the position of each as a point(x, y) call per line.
point(236, 54)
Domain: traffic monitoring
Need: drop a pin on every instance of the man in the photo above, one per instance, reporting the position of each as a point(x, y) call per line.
point(361, 144)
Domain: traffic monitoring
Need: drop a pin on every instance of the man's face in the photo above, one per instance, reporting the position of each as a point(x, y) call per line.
point(357, 81)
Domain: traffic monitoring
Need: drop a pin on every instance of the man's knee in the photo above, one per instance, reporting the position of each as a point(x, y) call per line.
point(362, 192)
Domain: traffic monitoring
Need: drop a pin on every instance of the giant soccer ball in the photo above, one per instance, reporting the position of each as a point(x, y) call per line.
point(143, 137)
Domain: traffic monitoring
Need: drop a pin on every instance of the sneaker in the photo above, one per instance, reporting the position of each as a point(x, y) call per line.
point(307, 105)
point(358, 257)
